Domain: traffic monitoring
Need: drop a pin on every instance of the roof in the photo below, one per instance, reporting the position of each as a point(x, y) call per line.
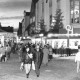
point(7, 29)
point(2, 30)
point(26, 13)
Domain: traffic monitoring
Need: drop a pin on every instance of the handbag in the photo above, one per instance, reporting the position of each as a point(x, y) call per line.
point(33, 65)
point(0, 55)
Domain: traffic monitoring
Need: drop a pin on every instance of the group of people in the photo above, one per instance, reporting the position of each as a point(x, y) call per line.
point(5, 53)
point(30, 54)
point(40, 55)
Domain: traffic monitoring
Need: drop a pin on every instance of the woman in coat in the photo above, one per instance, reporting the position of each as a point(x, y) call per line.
point(27, 60)
point(45, 55)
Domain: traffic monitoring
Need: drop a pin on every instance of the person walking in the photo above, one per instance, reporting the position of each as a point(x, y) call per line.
point(19, 52)
point(26, 60)
point(50, 53)
point(8, 51)
point(45, 55)
point(77, 59)
point(37, 61)
point(3, 54)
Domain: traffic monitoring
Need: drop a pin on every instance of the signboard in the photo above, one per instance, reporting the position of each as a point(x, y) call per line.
point(69, 29)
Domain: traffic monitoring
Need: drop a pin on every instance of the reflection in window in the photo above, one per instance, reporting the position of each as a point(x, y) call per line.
point(75, 11)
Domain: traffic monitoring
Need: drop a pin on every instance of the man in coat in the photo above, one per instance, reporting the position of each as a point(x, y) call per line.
point(37, 60)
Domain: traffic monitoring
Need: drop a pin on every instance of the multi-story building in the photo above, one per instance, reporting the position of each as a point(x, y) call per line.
point(25, 23)
point(23, 28)
point(19, 31)
point(70, 10)
point(32, 25)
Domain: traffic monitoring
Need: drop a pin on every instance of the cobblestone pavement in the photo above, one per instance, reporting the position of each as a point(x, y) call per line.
point(57, 69)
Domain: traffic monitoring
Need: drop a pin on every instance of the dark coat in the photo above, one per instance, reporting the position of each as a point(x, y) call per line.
point(25, 58)
point(38, 58)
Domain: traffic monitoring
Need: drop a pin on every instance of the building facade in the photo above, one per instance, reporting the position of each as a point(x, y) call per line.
point(46, 9)
point(25, 23)
point(19, 31)
point(70, 10)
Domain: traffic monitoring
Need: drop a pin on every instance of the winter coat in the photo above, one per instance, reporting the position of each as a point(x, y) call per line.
point(26, 59)
point(37, 58)
point(45, 55)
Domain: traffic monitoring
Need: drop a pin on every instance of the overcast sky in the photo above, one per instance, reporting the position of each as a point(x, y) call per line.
point(10, 9)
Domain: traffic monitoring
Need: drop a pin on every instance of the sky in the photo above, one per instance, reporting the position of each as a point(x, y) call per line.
point(11, 11)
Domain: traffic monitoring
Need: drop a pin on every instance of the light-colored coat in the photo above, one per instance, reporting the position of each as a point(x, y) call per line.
point(45, 55)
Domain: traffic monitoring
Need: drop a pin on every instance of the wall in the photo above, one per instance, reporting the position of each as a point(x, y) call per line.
point(65, 7)
point(46, 15)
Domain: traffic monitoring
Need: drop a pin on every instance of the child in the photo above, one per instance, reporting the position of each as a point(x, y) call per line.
point(77, 58)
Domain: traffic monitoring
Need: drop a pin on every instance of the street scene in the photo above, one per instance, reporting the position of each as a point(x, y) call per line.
point(39, 39)
point(58, 69)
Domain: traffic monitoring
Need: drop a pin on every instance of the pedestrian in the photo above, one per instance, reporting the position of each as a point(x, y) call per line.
point(77, 59)
point(37, 61)
point(45, 55)
point(50, 53)
point(19, 51)
point(3, 54)
point(26, 60)
point(8, 51)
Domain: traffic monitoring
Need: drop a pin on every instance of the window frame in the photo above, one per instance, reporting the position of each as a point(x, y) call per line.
point(73, 13)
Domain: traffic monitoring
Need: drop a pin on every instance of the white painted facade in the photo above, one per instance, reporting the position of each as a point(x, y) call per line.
point(50, 8)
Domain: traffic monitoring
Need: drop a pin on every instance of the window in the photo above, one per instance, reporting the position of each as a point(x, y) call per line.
point(42, 8)
point(75, 11)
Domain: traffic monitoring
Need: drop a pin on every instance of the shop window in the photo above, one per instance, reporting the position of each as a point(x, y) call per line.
point(75, 11)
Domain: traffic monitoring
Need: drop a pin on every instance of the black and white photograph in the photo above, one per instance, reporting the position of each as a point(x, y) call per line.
point(39, 39)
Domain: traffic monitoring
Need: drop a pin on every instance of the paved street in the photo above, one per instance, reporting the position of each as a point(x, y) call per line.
point(57, 69)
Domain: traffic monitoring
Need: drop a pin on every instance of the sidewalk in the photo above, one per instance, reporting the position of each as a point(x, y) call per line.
point(57, 69)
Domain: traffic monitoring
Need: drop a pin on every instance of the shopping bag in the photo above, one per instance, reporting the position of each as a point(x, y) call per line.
point(0, 55)
point(22, 66)
point(33, 65)
point(30, 55)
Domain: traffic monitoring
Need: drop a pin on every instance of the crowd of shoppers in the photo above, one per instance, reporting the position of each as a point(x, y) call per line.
point(5, 53)
point(33, 53)
point(28, 54)
point(31, 56)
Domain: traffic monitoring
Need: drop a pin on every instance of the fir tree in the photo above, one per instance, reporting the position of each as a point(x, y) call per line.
point(58, 20)
point(42, 25)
